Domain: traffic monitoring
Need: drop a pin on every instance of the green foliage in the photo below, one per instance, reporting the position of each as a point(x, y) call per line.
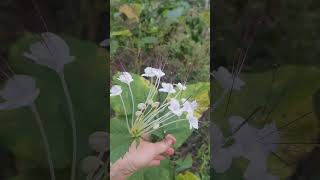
point(187, 176)
point(140, 89)
point(184, 164)
point(283, 99)
point(120, 138)
point(18, 130)
point(171, 32)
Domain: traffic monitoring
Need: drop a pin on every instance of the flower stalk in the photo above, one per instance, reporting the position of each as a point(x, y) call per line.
point(149, 116)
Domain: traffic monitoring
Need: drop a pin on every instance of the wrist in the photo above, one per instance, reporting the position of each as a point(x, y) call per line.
point(120, 170)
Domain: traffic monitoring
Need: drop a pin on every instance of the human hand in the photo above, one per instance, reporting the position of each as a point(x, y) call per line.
point(147, 154)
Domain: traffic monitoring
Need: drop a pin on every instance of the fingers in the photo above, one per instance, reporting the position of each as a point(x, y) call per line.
point(159, 157)
point(169, 136)
point(154, 163)
point(165, 145)
point(170, 151)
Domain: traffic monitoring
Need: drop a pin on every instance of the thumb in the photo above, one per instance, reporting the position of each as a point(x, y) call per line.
point(162, 146)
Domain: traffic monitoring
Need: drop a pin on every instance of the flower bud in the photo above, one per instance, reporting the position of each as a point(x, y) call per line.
point(150, 101)
point(156, 126)
point(138, 113)
point(141, 106)
point(155, 104)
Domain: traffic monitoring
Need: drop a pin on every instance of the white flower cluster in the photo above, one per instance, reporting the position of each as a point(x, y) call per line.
point(151, 115)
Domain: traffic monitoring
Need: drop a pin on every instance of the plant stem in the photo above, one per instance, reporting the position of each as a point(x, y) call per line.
point(44, 139)
point(73, 125)
point(133, 104)
point(125, 112)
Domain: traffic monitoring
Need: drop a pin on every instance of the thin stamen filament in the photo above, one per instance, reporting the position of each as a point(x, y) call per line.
point(148, 132)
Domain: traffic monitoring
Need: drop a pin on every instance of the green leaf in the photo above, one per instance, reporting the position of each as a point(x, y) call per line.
point(140, 89)
point(114, 45)
point(187, 176)
point(287, 98)
point(120, 139)
point(183, 164)
point(149, 40)
point(19, 132)
point(125, 32)
point(162, 172)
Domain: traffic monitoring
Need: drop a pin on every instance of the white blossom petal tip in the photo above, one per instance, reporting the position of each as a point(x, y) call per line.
point(175, 107)
point(125, 77)
point(181, 87)
point(52, 51)
point(190, 107)
point(148, 72)
point(227, 80)
point(115, 90)
point(193, 121)
point(167, 87)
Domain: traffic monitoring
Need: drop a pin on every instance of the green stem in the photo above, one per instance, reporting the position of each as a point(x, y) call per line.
point(44, 139)
point(125, 112)
point(73, 125)
point(133, 104)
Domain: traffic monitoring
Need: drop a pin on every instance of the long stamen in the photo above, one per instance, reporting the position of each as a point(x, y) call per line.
point(148, 132)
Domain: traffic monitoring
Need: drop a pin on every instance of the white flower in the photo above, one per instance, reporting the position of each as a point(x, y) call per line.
point(141, 106)
point(125, 77)
point(175, 107)
point(156, 126)
point(189, 107)
point(222, 156)
point(115, 90)
point(226, 80)
point(52, 52)
point(148, 72)
point(167, 87)
point(19, 91)
point(193, 121)
point(151, 72)
point(158, 72)
point(181, 86)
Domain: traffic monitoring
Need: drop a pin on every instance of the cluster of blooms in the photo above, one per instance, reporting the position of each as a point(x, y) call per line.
point(146, 114)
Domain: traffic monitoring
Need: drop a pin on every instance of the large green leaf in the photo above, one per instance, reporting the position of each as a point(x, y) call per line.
point(140, 88)
point(287, 98)
point(86, 77)
point(120, 139)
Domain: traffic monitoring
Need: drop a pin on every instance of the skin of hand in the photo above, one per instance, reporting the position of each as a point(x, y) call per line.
point(147, 154)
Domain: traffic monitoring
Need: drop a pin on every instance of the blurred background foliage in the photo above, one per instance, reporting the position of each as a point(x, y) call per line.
point(276, 31)
point(173, 33)
point(85, 19)
point(273, 39)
